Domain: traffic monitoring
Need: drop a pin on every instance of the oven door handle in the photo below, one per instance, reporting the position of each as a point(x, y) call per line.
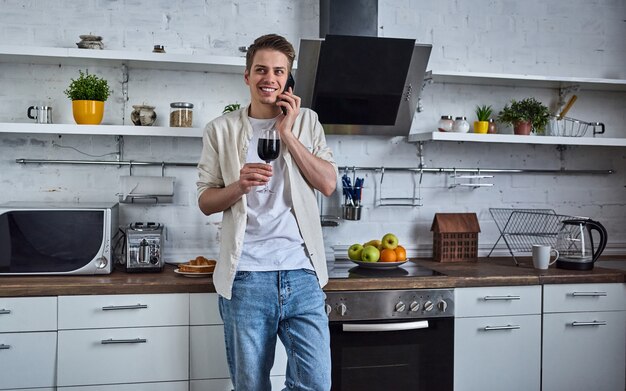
point(358, 327)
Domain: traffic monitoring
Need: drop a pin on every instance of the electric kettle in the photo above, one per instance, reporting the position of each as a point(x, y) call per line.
point(575, 244)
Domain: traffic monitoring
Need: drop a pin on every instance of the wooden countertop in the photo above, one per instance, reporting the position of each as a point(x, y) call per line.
point(485, 272)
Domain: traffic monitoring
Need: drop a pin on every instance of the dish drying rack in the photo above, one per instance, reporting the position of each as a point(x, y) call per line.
point(521, 228)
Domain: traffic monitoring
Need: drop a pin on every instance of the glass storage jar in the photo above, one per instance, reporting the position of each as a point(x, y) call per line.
point(461, 125)
point(181, 114)
point(445, 123)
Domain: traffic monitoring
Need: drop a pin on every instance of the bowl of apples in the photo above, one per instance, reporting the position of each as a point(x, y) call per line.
point(385, 253)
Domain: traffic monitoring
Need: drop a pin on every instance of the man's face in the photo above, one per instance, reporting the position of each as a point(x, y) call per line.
point(267, 76)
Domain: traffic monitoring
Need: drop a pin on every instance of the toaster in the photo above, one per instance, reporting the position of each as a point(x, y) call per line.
point(144, 242)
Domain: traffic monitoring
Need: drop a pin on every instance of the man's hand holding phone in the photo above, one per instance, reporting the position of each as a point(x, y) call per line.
point(289, 103)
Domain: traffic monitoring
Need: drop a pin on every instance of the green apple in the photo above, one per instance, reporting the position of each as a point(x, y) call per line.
point(390, 241)
point(354, 252)
point(370, 254)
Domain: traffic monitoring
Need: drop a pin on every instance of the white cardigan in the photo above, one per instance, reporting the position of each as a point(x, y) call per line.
point(225, 146)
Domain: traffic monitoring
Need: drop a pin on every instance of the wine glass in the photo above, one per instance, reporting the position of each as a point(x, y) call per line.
point(268, 149)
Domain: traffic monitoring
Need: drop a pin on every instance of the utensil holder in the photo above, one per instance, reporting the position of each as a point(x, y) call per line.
point(352, 212)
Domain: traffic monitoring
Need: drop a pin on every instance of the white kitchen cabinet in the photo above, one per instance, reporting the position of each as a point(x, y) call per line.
point(114, 339)
point(28, 342)
point(584, 342)
point(497, 338)
point(86, 312)
point(208, 365)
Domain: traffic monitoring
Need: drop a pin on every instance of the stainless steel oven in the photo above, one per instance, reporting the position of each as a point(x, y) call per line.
point(392, 339)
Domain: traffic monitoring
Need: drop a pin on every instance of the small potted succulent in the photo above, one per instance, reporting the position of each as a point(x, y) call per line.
point(88, 94)
point(527, 115)
point(483, 113)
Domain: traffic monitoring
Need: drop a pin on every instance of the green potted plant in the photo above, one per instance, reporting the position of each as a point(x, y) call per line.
point(525, 115)
point(231, 107)
point(483, 113)
point(88, 94)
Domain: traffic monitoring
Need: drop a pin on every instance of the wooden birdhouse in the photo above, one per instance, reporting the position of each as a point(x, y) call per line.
point(455, 237)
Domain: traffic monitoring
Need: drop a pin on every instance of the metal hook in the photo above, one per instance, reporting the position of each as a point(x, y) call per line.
point(382, 174)
point(162, 168)
point(130, 167)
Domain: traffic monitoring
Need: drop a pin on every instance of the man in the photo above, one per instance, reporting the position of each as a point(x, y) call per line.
point(272, 262)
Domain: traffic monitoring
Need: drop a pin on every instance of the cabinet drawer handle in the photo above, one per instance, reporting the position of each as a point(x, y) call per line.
point(587, 294)
point(4, 311)
point(593, 323)
point(507, 327)
point(4, 347)
point(132, 340)
point(124, 307)
point(508, 297)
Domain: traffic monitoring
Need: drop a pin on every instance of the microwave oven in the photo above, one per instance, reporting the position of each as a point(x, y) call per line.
point(57, 238)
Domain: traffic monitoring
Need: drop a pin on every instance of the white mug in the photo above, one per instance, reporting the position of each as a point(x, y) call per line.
point(541, 256)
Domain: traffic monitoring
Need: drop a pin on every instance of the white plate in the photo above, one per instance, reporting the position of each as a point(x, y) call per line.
point(379, 265)
point(192, 274)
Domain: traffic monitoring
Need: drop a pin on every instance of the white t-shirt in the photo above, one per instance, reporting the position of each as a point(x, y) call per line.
point(272, 240)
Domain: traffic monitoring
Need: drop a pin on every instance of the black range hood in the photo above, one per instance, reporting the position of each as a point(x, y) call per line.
point(362, 85)
point(359, 83)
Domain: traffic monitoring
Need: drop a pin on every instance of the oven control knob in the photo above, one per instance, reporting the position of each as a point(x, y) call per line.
point(442, 305)
point(101, 263)
point(428, 306)
point(342, 309)
point(329, 309)
point(414, 306)
point(400, 306)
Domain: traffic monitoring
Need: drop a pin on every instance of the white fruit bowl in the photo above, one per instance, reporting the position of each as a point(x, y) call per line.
point(379, 265)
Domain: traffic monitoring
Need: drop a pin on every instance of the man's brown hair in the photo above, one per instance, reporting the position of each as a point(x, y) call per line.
point(272, 42)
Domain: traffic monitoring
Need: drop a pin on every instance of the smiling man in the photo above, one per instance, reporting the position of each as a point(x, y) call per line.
point(272, 265)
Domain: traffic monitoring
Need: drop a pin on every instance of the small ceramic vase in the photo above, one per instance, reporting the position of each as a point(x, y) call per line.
point(143, 115)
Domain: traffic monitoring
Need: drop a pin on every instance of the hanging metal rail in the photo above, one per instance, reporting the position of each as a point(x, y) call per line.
point(106, 162)
point(433, 170)
point(481, 170)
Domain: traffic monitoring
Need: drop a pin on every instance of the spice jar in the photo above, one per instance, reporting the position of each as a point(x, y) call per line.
point(461, 125)
point(181, 114)
point(492, 126)
point(445, 123)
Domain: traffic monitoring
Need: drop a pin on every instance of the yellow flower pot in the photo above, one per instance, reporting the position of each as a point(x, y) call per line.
point(88, 112)
point(481, 126)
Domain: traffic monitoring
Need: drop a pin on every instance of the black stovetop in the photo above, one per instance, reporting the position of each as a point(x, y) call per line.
point(343, 268)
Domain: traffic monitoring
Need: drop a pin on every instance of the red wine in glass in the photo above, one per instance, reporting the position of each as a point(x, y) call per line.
point(268, 149)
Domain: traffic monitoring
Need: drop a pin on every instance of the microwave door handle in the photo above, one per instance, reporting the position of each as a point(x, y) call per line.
point(367, 327)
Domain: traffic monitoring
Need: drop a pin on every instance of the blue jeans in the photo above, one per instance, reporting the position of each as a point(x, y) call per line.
point(288, 304)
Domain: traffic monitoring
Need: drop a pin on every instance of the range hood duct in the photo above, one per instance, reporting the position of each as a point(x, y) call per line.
point(349, 17)
point(357, 82)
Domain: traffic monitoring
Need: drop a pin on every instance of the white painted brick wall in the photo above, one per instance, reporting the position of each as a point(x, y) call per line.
point(558, 38)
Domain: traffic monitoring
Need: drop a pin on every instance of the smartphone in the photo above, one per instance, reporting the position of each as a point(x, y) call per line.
point(290, 83)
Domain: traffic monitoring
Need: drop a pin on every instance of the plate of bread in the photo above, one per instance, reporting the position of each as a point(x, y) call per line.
point(199, 267)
